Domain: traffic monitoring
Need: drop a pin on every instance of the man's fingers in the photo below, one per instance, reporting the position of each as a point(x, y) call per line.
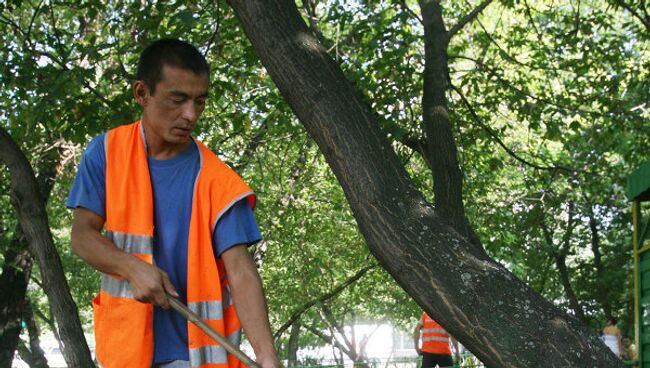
point(169, 287)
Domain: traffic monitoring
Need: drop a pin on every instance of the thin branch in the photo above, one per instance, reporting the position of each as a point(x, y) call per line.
point(321, 299)
point(328, 339)
point(83, 80)
point(31, 22)
point(328, 316)
point(628, 7)
point(478, 121)
point(216, 30)
point(468, 18)
point(410, 11)
point(562, 108)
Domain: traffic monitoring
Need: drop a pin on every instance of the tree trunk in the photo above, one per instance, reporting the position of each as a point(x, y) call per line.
point(13, 286)
point(499, 318)
point(30, 210)
point(560, 263)
point(292, 345)
point(17, 269)
point(441, 153)
point(601, 291)
point(36, 358)
point(559, 254)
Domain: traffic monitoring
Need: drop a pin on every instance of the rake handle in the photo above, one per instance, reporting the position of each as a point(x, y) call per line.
point(216, 336)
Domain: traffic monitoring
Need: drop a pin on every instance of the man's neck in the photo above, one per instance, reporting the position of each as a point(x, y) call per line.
point(158, 149)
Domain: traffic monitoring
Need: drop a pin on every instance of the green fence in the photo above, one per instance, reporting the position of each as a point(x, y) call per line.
point(468, 361)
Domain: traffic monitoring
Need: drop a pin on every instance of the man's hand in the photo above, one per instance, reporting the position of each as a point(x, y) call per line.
point(418, 350)
point(150, 284)
point(270, 362)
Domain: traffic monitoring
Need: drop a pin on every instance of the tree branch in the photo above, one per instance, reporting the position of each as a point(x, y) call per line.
point(494, 136)
point(628, 7)
point(409, 10)
point(215, 34)
point(296, 315)
point(468, 18)
point(328, 339)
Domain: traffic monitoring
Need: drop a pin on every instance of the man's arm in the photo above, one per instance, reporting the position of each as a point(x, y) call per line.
point(147, 281)
point(416, 337)
point(248, 296)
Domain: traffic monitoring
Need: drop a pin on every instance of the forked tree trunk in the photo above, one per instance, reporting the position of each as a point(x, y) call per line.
point(30, 210)
point(499, 318)
point(17, 270)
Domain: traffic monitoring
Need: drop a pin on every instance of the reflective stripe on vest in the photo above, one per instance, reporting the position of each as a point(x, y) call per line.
point(214, 354)
point(435, 339)
point(123, 326)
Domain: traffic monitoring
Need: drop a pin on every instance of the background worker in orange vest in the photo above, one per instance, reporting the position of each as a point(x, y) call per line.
point(435, 348)
point(157, 212)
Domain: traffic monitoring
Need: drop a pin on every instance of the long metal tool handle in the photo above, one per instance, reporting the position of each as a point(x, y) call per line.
point(194, 318)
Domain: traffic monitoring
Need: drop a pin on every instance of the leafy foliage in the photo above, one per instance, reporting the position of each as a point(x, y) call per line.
point(562, 85)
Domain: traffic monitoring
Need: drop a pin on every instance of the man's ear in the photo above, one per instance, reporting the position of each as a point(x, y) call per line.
point(141, 92)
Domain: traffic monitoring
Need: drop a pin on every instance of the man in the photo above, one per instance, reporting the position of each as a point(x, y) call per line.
point(177, 221)
point(435, 349)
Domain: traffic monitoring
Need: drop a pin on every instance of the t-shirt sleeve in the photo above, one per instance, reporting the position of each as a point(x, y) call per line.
point(89, 186)
point(236, 226)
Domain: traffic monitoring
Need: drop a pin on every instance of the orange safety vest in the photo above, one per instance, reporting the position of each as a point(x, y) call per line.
point(435, 339)
point(123, 325)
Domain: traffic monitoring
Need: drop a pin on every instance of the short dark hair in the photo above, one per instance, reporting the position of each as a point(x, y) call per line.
point(171, 52)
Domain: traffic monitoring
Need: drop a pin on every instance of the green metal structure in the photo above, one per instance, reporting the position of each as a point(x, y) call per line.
point(638, 191)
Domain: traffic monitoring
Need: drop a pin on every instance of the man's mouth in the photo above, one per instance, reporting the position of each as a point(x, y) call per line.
point(184, 130)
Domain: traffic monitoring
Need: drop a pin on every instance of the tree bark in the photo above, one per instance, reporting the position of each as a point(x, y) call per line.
point(499, 318)
point(13, 286)
point(441, 153)
point(293, 344)
point(17, 270)
point(601, 292)
point(36, 358)
point(560, 263)
point(30, 210)
point(559, 254)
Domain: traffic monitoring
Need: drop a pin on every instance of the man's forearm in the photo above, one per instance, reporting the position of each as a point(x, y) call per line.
point(148, 283)
point(91, 246)
point(248, 297)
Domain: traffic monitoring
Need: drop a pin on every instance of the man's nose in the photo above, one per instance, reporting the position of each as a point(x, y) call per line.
point(191, 111)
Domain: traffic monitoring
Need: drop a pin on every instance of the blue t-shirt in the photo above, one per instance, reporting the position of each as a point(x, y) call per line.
point(173, 185)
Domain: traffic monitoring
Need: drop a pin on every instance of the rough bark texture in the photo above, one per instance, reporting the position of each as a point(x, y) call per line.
point(440, 152)
point(30, 210)
point(13, 287)
point(499, 318)
point(17, 269)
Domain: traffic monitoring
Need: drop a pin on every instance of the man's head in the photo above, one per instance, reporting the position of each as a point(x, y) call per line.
point(170, 52)
point(626, 341)
point(172, 87)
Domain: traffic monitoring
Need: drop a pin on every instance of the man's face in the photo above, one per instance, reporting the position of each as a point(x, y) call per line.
point(171, 112)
